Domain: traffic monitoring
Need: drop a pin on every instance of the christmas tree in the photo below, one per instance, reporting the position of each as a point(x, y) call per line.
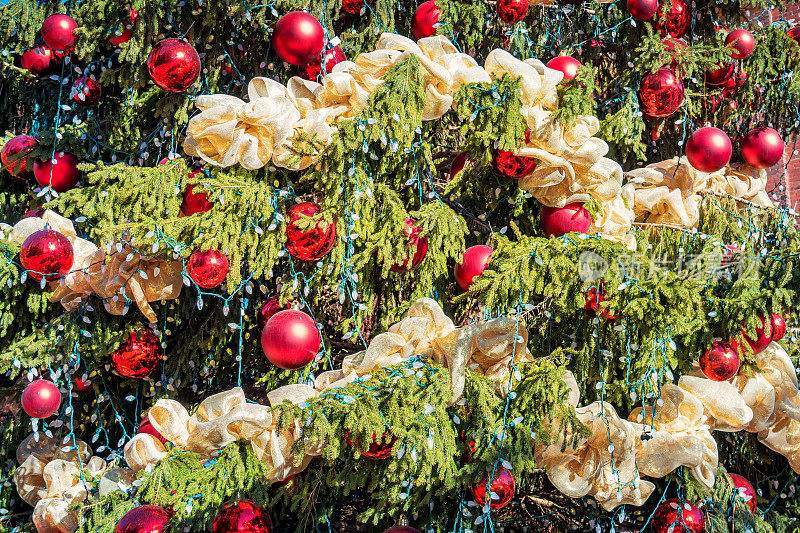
point(369, 265)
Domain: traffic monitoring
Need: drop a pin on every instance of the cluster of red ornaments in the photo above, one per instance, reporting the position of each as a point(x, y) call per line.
point(58, 40)
point(59, 172)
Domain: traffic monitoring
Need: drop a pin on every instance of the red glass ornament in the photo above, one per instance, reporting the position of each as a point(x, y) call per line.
point(794, 33)
point(312, 70)
point(557, 221)
point(243, 516)
point(503, 487)
point(354, 7)
point(762, 340)
point(720, 362)
point(721, 75)
point(173, 64)
point(46, 253)
point(473, 263)
point(271, 306)
point(676, 21)
point(413, 240)
point(85, 91)
point(744, 491)
point(39, 60)
point(144, 519)
point(138, 355)
point(425, 18)
point(708, 149)
point(13, 154)
point(61, 176)
point(81, 384)
point(672, 516)
point(734, 82)
point(58, 33)
point(402, 529)
point(594, 297)
point(642, 9)
point(123, 36)
point(512, 11)
point(457, 164)
point(290, 339)
point(677, 46)
point(762, 147)
point(298, 37)
point(660, 93)
point(41, 399)
point(312, 243)
point(195, 202)
point(513, 166)
point(207, 268)
point(377, 449)
point(742, 42)
point(566, 64)
point(777, 326)
point(145, 426)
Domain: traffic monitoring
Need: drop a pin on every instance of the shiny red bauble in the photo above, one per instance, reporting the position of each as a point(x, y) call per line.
point(512, 11)
point(354, 7)
point(742, 42)
point(413, 241)
point(144, 519)
point(502, 489)
point(61, 175)
point(58, 33)
point(311, 71)
point(676, 21)
point(290, 339)
point(378, 449)
point(85, 91)
point(173, 64)
point(457, 164)
point(744, 491)
point(313, 242)
point(566, 64)
point(660, 93)
point(271, 306)
point(513, 166)
point(207, 268)
point(558, 221)
point(145, 426)
point(720, 362)
point(762, 147)
point(41, 399)
point(794, 33)
point(673, 516)
point(402, 529)
point(720, 75)
point(243, 516)
point(708, 149)
point(46, 253)
point(642, 9)
point(138, 355)
point(761, 340)
point(298, 38)
point(473, 263)
point(674, 45)
point(778, 326)
point(13, 154)
point(425, 19)
point(124, 35)
point(39, 60)
point(195, 202)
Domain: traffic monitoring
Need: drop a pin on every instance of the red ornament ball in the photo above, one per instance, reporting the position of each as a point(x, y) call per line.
point(708, 149)
point(313, 242)
point(642, 9)
point(720, 362)
point(354, 7)
point(720, 75)
point(677, 46)
point(513, 166)
point(46, 253)
point(672, 516)
point(290, 339)
point(60, 172)
point(762, 147)
point(207, 268)
point(122, 36)
point(676, 21)
point(566, 64)
point(402, 529)
point(425, 18)
point(311, 71)
point(58, 33)
point(457, 164)
point(473, 263)
point(794, 33)
point(81, 384)
point(502, 488)
point(298, 37)
point(777, 326)
point(144, 519)
point(557, 221)
point(41, 399)
point(413, 240)
point(173, 64)
point(762, 340)
point(744, 491)
point(13, 154)
point(377, 449)
point(195, 202)
point(138, 355)
point(85, 91)
point(145, 426)
point(594, 297)
point(742, 42)
point(660, 93)
point(243, 516)
point(39, 60)
point(269, 308)
point(512, 11)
